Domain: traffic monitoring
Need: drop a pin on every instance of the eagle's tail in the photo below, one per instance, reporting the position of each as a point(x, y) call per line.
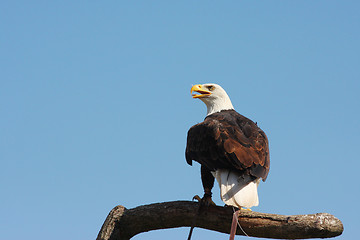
point(237, 190)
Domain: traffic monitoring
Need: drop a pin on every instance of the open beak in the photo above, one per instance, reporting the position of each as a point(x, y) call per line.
point(200, 89)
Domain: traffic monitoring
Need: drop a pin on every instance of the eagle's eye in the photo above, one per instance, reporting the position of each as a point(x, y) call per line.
point(211, 88)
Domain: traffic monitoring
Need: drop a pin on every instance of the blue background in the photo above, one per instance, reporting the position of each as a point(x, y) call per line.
point(95, 106)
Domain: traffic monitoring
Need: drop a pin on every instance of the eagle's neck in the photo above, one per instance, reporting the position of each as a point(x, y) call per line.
point(218, 105)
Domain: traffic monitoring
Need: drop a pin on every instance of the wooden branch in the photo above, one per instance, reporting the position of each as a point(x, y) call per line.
point(122, 223)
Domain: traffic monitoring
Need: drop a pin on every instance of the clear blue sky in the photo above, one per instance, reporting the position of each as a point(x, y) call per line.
point(95, 106)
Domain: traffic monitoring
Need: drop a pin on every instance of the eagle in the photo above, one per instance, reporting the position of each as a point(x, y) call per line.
point(229, 147)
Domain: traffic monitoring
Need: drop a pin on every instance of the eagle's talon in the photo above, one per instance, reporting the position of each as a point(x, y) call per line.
point(207, 201)
point(246, 209)
point(196, 197)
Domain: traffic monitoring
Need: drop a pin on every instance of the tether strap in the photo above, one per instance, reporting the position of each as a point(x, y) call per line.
point(194, 221)
point(234, 225)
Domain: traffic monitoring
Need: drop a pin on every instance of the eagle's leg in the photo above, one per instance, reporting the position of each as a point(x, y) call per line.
point(208, 183)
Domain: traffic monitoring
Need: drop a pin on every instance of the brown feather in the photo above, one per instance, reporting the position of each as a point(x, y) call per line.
point(228, 140)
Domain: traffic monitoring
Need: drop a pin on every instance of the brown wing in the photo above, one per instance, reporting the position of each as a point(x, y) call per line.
point(231, 141)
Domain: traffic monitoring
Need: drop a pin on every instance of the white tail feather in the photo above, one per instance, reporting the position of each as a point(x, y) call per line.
point(237, 190)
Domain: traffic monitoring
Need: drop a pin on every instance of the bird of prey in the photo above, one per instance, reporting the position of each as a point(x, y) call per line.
point(230, 148)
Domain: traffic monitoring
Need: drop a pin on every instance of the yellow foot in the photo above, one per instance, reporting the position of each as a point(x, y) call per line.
point(209, 202)
point(246, 209)
point(206, 200)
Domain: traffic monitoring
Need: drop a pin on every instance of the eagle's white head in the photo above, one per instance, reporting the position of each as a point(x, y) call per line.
point(214, 96)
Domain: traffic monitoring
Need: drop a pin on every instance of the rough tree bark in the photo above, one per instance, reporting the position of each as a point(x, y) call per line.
point(122, 223)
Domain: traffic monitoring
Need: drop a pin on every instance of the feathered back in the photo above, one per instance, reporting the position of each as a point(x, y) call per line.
point(228, 140)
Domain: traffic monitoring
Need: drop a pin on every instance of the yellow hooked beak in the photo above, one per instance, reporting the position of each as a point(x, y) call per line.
point(200, 89)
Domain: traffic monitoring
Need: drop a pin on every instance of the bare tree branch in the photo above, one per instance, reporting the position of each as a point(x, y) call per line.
point(122, 223)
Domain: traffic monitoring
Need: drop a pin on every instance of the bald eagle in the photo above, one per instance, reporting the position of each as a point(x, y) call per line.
point(230, 148)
